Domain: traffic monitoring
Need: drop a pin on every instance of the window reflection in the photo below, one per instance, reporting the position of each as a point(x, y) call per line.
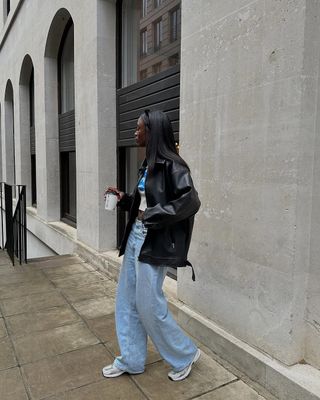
point(150, 38)
point(67, 73)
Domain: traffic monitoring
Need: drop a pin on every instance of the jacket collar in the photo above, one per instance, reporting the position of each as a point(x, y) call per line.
point(144, 163)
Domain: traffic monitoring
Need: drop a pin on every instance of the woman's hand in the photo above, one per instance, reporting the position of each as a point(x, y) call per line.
point(114, 190)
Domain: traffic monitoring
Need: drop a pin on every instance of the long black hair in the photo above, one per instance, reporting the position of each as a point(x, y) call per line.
point(160, 139)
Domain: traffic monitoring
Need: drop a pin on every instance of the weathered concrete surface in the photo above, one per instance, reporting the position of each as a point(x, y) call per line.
point(250, 131)
point(54, 343)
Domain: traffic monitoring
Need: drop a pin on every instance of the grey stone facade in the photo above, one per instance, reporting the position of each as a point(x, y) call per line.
point(249, 127)
point(249, 123)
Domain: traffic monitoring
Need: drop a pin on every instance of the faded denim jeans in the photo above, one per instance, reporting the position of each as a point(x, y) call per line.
point(142, 311)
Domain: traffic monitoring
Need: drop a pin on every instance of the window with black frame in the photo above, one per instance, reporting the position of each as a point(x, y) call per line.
point(8, 6)
point(32, 141)
point(67, 126)
point(148, 77)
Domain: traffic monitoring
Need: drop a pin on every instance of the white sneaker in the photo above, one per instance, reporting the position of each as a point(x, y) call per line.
point(111, 371)
point(183, 374)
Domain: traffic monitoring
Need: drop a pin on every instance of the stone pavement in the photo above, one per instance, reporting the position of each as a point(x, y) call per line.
point(57, 332)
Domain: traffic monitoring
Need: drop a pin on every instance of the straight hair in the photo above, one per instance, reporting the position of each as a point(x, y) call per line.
point(160, 139)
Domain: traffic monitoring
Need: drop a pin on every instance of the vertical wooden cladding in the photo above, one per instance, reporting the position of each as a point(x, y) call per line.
point(32, 140)
point(67, 141)
point(160, 92)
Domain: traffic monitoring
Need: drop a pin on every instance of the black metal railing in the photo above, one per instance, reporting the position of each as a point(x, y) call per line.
point(13, 223)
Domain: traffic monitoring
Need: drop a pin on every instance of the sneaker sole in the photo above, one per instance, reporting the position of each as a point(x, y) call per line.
point(196, 358)
point(121, 373)
point(115, 375)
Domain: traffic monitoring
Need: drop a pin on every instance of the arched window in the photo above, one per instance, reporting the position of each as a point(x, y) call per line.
point(32, 141)
point(26, 174)
point(10, 171)
point(66, 72)
point(67, 125)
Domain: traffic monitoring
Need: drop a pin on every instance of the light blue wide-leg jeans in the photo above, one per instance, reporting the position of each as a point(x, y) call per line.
point(142, 311)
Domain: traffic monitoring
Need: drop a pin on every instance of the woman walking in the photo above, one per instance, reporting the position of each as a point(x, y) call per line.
point(157, 236)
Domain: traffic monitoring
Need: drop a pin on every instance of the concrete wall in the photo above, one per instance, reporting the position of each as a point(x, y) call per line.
point(36, 32)
point(254, 67)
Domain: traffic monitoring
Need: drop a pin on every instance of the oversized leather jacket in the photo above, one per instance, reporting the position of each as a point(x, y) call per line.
point(172, 202)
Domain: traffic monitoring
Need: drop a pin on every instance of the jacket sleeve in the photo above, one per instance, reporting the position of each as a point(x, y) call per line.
point(185, 203)
point(126, 202)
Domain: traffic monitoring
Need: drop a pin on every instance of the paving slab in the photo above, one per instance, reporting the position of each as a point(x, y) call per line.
point(94, 308)
point(42, 320)
point(78, 279)
point(32, 303)
point(7, 356)
point(122, 389)
point(55, 262)
point(5, 261)
point(3, 329)
point(92, 290)
point(11, 385)
point(206, 375)
point(24, 289)
point(67, 270)
point(9, 268)
point(18, 277)
point(57, 324)
point(234, 391)
point(103, 327)
point(56, 375)
point(38, 345)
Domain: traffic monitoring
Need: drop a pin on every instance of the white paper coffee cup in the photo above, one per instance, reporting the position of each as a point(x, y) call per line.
point(111, 201)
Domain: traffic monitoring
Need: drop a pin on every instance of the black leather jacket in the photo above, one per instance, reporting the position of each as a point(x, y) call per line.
point(172, 202)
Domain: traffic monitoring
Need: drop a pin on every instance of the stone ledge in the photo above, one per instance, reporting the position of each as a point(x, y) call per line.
point(107, 262)
point(57, 236)
point(295, 382)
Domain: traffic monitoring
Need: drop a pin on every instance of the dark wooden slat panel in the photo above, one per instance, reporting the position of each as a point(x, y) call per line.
point(32, 140)
point(151, 99)
point(149, 89)
point(175, 126)
point(67, 140)
point(132, 124)
point(67, 131)
point(67, 114)
point(68, 148)
point(161, 92)
point(129, 128)
point(128, 125)
point(169, 105)
point(126, 142)
point(127, 134)
point(149, 81)
point(66, 123)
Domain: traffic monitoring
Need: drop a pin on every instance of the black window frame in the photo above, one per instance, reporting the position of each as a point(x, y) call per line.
point(8, 7)
point(68, 145)
point(143, 42)
point(32, 140)
point(157, 34)
point(176, 10)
